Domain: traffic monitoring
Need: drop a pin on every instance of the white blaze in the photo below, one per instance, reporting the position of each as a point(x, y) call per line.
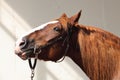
point(42, 26)
point(33, 30)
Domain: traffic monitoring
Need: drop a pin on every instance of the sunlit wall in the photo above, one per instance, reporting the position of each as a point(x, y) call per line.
point(12, 26)
point(10, 64)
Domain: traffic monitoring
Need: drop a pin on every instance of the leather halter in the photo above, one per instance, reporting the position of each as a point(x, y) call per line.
point(32, 67)
point(67, 38)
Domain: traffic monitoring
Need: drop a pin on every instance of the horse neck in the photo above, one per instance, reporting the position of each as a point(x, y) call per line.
point(74, 49)
point(81, 56)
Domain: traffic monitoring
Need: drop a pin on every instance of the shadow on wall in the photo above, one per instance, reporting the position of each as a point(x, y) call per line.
point(65, 70)
point(43, 73)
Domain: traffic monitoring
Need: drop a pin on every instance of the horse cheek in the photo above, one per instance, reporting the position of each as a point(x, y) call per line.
point(55, 53)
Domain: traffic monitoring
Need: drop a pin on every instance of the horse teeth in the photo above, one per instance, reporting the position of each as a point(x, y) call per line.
point(23, 54)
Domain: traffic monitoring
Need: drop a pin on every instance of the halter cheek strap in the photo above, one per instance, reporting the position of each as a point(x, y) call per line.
point(67, 39)
point(66, 50)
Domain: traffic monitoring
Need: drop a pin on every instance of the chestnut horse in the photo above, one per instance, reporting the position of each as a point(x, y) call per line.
point(95, 51)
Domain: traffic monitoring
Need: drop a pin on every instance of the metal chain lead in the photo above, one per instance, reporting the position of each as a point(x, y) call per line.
point(32, 67)
point(32, 74)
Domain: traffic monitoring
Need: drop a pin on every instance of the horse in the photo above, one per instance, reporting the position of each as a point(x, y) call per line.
point(94, 50)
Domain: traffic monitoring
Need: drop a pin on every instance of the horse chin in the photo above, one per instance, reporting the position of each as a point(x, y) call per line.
point(24, 55)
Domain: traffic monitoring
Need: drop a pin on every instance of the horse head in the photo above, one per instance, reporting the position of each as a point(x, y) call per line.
point(49, 40)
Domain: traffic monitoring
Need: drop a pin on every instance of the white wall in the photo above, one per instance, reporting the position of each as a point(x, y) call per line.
point(101, 13)
point(112, 16)
point(7, 59)
point(26, 14)
point(10, 67)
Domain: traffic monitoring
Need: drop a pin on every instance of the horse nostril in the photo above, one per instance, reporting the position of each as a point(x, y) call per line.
point(23, 43)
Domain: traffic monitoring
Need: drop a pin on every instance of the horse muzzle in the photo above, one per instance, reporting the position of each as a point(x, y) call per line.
point(20, 53)
point(22, 49)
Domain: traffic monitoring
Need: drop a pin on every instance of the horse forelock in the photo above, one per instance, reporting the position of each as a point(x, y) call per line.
point(63, 22)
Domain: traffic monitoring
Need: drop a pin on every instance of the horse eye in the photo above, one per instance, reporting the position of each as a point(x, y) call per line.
point(56, 29)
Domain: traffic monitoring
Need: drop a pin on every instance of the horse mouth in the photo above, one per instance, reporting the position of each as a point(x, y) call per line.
point(24, 54)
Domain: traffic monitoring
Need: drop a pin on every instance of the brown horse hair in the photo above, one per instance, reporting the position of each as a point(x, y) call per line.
point(98, 54)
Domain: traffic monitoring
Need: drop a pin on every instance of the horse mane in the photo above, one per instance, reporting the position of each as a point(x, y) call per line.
point(100, 53)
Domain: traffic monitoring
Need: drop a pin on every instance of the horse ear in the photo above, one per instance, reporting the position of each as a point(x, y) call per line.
point(64, 15)
point(74, 19)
